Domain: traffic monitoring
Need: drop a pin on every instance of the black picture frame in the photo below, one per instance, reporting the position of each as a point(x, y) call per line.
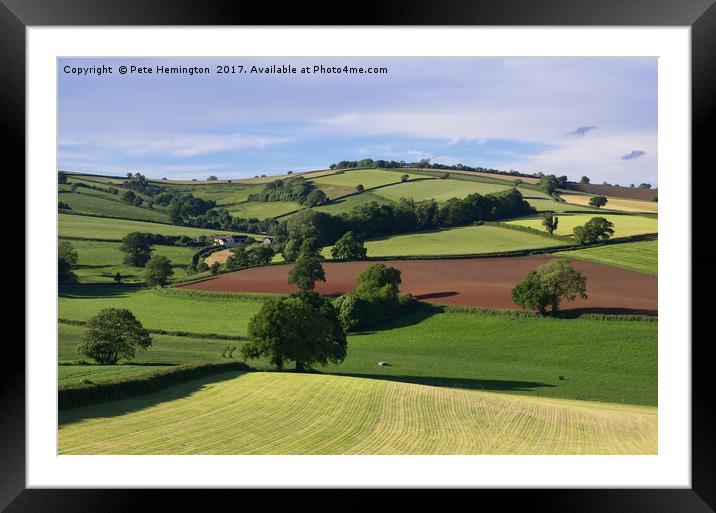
point(17, 15)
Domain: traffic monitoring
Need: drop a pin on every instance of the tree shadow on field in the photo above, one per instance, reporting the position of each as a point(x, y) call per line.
point(495, 385)
point(423, 312)
point(95, 291)
point(118, 407)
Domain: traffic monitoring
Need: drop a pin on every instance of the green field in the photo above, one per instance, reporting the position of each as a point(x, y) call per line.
point(641, 256)
point(158, 310)
point(114, 229)
point(262, 209)
point(222, 193)
point(368, 177)
point(443, 190)
point(456, 241)
point(75, 374)
point(543, 205)
point(340, 206)
point(624, 225)
point(610, 361)
point(284, 413)
point(94, 202)
point(98, 262)
point(165, 350)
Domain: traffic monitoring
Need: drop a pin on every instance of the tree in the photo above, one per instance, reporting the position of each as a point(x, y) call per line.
point(597, 228)
point(61, 177)
point(349, 246)
point(129, 197)
point(302, 328)
point(66, 261)
point(118, 278)
point(550, 222)
point(212, 177)
point(111, 334)
point(597, 201)
point(548, 184)
point(306, 272)
point(137, 248)
point(376, 277)
point(548, 285)
point(315, 198)
point(158, 270)
point(584, 180)
point(214, 268)
point(404, 178)
point(444, 176)
point(644, 186)
point(360, 187)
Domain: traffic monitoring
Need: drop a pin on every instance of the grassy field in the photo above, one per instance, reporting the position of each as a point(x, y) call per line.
point(157, 310)
point(93, 202)
point(613, 203)
point(609, 361)
point(165, 350)
point(368, 177)
point(456, 241)
point(642, 256)
point(543, 205)
point(624, 225)
point(340, 206)
point(114, 229)
point(98, 262)
point(283, 413)
point(262, 209)
point(443, 190)
point(222, 193)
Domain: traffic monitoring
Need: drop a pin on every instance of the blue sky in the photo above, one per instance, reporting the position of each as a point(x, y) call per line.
point(573, 116)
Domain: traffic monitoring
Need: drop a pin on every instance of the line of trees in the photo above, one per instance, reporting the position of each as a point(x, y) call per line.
point(421, 164)
point(295, 189)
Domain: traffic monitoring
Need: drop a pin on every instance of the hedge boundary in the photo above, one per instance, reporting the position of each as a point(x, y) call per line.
point(75, 395)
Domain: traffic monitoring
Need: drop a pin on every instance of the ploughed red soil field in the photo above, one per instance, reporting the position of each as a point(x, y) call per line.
point(484, 282)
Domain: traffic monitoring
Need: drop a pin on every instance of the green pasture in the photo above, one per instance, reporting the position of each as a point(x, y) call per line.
point(464, 240)
point(98, 262)
point(368, 177)
point(345, 205)
point(158, 310)
point(443, 190)
point(95, 202)
point(641, 256)
point(113, 229)
point(262, 209)
point(543, 205)
point(624, 225)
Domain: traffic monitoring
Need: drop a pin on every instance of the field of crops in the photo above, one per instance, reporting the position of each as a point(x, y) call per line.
point(368, 177)
point(160, 310)
point(272, 413)
point(624, 225)
point(98, 262)
point(114, 229)
point(614, 203)
point(456, 241)
point(642, 256)
point(443, 190)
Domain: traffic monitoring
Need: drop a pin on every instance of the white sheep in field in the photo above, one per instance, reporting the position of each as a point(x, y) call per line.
point(381, 363)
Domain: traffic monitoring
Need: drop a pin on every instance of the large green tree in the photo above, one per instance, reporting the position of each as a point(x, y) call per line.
point(548, 285)
point(301, 328)
point(597, 201)
point(550, 222)
point(111, 334)
point(137, 248)
point(597, 228)
point(349, 246)
point(306, 272)
point(158, 271)
point(66, 260)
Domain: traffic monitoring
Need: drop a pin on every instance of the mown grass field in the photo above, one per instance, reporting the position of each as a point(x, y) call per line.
point(159, 310)
point(614, 203)
point(283, 413)
point(641, 256)
point(624, 225)
point(456, 241)
point(103, 228)
point(98, 262)
point(368, 177)
point(94, 202)
point(443, 190)
point(342, 205)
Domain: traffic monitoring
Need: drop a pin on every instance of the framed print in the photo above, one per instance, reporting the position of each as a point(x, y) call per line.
point(436, 249)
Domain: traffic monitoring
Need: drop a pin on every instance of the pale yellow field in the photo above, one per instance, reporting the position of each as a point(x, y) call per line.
point(287, 413)
point(218, 256)
point(623, 204)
